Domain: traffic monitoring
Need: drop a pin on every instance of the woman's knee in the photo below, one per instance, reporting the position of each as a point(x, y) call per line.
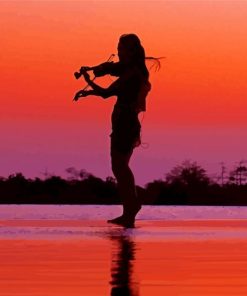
point(117, 167)
point(120, 162)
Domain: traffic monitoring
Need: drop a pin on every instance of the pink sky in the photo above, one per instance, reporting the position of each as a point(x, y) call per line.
point(196, 110)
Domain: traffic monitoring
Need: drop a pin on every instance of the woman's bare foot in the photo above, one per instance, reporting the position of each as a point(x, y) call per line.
point(128, 222)
point(117, 220)
point(128, 219)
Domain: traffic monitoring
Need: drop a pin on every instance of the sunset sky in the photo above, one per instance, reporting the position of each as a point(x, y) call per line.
point(196, 109)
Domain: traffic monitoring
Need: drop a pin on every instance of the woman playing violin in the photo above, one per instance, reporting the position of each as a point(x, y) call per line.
point(131, 89)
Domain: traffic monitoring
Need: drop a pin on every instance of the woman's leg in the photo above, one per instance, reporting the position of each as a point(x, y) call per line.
point(126, 186)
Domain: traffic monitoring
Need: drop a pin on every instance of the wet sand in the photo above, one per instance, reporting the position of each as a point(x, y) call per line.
point(92, 258)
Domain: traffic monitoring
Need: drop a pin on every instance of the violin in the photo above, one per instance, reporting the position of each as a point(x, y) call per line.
point(108, 67)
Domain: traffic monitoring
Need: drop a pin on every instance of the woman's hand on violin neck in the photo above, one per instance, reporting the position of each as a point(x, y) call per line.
point(83, 71)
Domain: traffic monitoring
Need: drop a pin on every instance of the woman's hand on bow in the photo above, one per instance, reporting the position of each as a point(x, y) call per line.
point(81, 93)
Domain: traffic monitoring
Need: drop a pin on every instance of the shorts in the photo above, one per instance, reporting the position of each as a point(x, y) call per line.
point(126, 130)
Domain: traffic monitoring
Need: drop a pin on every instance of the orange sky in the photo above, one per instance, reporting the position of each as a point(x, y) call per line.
point(199, 93)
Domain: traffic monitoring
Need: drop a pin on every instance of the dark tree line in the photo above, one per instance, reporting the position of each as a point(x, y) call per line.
point(86, 189)
point(185, 184)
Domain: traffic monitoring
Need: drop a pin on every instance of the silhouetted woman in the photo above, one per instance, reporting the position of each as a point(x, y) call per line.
point(131, 89)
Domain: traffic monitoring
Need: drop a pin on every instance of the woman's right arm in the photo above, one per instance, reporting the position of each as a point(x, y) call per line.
point(97, 90)
point(100, 91)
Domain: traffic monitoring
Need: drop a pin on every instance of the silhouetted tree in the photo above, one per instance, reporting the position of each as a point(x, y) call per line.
point(222, 174)
point(188, 174)
point(77, 174)
point(154, 190)
point(54, 186)
point(239, 175)
point(111, 180)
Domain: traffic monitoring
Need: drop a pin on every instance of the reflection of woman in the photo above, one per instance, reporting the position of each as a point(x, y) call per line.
point(122, 270)
point(131, 89)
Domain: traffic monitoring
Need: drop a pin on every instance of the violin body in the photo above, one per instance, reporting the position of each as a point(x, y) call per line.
point(114, 69)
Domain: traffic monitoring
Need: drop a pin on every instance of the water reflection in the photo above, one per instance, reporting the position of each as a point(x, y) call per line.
point(123, 258)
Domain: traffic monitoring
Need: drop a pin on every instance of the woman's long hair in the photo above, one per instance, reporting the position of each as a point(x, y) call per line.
point(133, 43)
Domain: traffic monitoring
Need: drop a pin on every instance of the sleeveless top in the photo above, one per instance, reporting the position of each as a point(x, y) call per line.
point(131, 88)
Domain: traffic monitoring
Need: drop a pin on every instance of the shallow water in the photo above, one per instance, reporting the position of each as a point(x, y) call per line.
point(153, 222)
point(52, 250)
point(101, 212)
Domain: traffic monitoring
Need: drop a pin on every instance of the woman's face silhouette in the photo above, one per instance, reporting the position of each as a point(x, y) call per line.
point(124, 53)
